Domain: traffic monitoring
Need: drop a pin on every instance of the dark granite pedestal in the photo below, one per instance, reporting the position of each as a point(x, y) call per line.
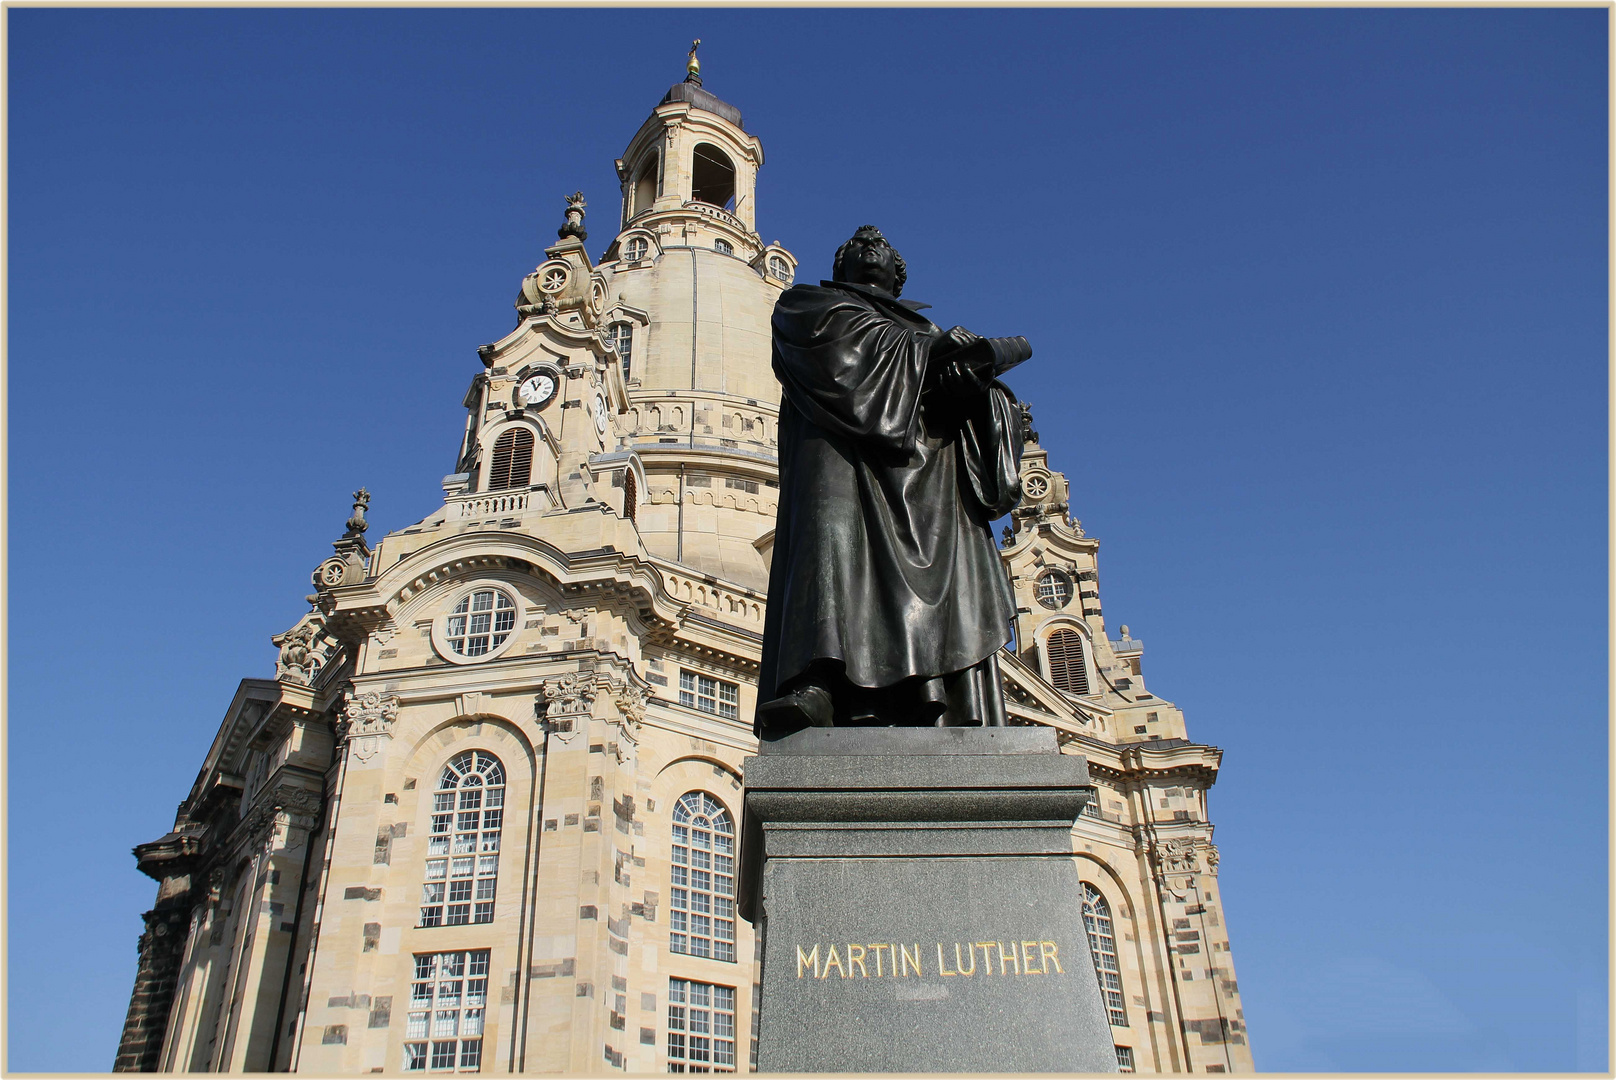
point(918, 903)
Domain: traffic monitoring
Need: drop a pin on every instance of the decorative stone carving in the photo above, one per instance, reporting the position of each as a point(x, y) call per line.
point(1212, 859)
point(575, 217)
point(303, 651)
point(570, 695)
point(1176, 855)
point(357, 523)
point(366, 719)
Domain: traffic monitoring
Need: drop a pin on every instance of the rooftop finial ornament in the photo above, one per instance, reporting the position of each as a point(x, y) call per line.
point(357, 524)
point(575, 217)
point(693, 67)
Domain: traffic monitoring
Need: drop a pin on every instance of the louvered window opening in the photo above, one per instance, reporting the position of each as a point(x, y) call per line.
point(1066, 670)
point(1103, 946)
point(512, 463)
point(631, 495)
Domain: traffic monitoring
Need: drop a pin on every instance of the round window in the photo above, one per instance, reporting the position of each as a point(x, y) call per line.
point(635, 249)
point(1054, 589)
point(478, 626)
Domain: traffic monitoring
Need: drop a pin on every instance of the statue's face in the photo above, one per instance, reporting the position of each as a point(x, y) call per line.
point(870, 260)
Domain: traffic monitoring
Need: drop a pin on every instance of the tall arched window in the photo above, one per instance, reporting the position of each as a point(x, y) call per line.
point(631, 495)
point(462, 865)
point(621, 335)
point(511, 465)
point(702, 897)
point(1066, 670)
point(1103, 946)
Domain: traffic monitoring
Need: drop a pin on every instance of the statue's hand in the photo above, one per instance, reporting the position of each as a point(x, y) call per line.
point(953, 339)
point(957, 380)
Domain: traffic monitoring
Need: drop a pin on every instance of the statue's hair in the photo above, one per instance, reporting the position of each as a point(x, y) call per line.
point(902, 271)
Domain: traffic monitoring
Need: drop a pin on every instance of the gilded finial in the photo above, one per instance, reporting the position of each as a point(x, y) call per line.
point(693, 67)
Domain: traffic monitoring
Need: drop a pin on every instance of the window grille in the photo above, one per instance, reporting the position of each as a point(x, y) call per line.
point(481, 622)
point(1066, 670)
point(701, 899)
point(723, 247)
point(780, 269)
point(709, 695)
point(447, 999)
point(701, 1027)
point(462, 865)
point(622, 339)
point(1124, 1058)
point(748, 486)
point(1054, 590)
point(511, 465)
point(636, 248)
point(1103, 947)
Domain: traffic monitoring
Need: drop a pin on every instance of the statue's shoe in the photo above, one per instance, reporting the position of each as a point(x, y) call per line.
point(808, 707)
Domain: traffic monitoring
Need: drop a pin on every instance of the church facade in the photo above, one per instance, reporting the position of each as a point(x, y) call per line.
point(484, 816)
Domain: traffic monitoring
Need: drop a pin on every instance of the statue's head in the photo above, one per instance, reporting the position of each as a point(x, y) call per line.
point(867, 259)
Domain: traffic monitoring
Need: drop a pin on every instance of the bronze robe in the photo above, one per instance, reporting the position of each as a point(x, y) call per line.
point(884, 558)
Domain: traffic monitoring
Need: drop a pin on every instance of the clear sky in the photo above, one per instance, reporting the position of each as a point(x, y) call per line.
point(1319, 305)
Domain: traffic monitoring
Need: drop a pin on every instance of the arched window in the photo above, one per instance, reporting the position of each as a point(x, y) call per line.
point(779, 268)
point(1103, 946)
point(723, 247)
point(712, 176)
point(631, 495)
point(1066, 670)
point(636, 248)
point(462, 865)
point(621, 335)
point(511, 465)
point(702, 897)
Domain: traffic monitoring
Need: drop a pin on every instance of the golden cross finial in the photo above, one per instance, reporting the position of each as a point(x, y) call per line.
point(694, 66)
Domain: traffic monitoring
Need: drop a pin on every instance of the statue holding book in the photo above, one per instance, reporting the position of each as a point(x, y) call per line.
point(899, 445)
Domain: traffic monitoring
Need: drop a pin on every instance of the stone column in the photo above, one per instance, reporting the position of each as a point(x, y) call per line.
point(919, 904)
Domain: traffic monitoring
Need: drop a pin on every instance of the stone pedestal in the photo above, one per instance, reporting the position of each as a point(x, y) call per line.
point(919, 904)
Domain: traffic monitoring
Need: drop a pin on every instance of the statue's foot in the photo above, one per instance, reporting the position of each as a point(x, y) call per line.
point(808, 707)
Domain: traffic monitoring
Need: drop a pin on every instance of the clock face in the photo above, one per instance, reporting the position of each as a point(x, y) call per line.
point(600, 413)
point(536, 389)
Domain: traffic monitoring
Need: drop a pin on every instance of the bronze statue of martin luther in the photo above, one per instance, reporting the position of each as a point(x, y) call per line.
point(888, 602)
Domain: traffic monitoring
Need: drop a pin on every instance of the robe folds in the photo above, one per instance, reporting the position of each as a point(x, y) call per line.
point(884, 558)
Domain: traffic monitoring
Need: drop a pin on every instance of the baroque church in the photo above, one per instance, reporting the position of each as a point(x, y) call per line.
point(484, 816)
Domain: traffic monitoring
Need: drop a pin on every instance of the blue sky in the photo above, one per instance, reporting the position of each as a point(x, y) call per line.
point(1319, 304)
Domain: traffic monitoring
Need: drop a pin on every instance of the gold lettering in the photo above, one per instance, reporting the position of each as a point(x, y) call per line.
point(963, 970)
point(811, 960)
point(942, 969)
point(833, 960)
point(1051, 954)
point(987, 955)
point(1027, 958)
point(875, 950)
point(856, 960)
point(908, 960)
point(1010, 956)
